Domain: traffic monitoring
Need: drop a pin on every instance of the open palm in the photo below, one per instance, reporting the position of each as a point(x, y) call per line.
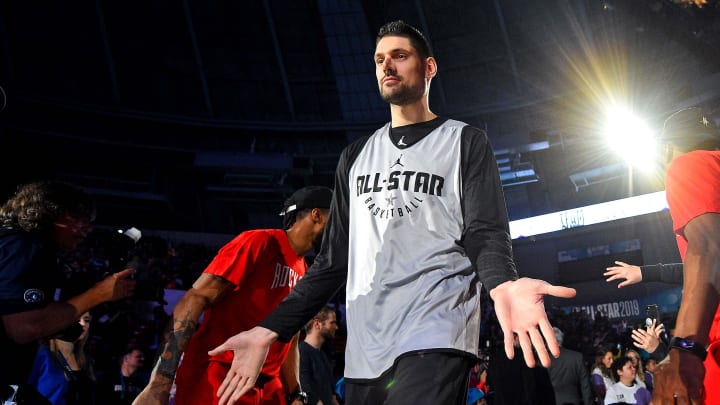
point(520, 309)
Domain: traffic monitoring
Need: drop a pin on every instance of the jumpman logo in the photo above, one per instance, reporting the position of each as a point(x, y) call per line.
point(400, 142)
point(397, 162)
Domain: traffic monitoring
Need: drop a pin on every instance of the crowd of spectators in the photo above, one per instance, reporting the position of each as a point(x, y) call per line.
point(593, 337)
point(164, 265)
point(136, 322)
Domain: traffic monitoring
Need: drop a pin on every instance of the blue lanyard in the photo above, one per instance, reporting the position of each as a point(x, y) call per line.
point(69, 371)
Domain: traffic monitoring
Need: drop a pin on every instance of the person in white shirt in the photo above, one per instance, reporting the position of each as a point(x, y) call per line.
point(626, 390)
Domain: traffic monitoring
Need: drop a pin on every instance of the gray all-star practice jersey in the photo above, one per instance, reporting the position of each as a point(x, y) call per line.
point(418, 221)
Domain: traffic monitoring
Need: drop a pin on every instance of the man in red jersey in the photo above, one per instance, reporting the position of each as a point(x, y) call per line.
point(245, 281)
point(692, 186)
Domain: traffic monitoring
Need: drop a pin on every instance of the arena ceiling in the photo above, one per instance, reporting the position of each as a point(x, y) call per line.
point(204, 115)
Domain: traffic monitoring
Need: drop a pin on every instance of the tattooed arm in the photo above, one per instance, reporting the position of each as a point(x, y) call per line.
point(207, 290)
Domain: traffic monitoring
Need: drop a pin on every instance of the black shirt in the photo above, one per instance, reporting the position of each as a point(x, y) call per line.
point(316, 377)
point(116, 389)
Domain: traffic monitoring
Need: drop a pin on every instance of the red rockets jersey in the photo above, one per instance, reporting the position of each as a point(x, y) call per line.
point(264, 268)
point(692, 187)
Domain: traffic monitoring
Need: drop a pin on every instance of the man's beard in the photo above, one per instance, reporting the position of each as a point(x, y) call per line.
point(402, 94)
point(327, 334)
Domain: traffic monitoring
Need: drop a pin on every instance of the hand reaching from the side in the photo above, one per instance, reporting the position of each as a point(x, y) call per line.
point(629, 273)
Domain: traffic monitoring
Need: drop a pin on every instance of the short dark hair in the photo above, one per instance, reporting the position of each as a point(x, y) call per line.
point(400, 28)
point(131, 347)
point(618, 365)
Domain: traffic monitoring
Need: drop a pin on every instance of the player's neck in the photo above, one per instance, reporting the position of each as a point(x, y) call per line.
point(410, 114)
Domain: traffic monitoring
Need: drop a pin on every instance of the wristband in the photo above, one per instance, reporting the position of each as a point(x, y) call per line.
point(690, 346)
point(298, 394)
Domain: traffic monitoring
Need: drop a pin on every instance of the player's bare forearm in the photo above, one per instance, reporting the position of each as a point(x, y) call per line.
point(205, 292)
point(700, 290)
point(176, 341)
point(176, 337)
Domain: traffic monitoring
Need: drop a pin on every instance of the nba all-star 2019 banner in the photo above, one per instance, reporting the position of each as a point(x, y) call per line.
point(602, 299)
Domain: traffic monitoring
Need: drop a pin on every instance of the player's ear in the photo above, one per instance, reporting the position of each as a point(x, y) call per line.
point(430, 67)
point(316, 215)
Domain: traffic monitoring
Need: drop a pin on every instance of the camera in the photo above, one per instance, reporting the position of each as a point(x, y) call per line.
point(122, 254)
point(120, 250)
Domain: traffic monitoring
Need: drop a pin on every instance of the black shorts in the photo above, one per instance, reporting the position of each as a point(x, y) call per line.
point(423, 378)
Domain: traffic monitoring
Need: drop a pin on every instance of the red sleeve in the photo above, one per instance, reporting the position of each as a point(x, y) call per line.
point(692, 187)
point(241, 255)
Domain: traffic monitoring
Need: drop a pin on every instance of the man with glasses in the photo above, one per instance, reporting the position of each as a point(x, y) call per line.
point(41, 220)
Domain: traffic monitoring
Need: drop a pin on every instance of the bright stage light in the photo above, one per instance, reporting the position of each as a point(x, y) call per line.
point(631, 138)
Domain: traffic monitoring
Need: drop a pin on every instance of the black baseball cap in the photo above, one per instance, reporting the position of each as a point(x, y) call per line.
point(308, 197)
point(690, 128)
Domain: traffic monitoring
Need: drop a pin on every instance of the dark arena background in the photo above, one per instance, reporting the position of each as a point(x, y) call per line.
point(193, 120)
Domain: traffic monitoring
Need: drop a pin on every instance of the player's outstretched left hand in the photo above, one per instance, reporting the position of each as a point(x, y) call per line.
point(520, 309)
